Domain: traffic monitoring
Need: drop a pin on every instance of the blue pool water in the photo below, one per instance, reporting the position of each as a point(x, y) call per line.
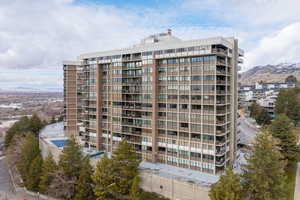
point(60, 143)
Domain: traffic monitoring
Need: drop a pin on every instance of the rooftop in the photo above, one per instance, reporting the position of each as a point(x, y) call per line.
point(163, 41)
point(53, 130)
point(181, 174)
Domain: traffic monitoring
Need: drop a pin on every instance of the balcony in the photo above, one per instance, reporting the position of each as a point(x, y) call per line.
point(221, 101)
point(219, 51)
point(220, 92)
point(221, 62)
point(221, 82)
point(221, 72)
point(220, 162)
point(220, 132)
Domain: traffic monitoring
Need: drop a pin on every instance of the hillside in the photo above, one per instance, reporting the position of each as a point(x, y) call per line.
point(270, 73)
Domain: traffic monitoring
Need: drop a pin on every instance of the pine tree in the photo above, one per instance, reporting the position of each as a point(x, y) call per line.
point(48, 169)
point(291, 79)
point(288, 103)
point(263, 176)
point(70, 160)
point(84, 185)
point(254, 110)
point(104, 181)
point(126, 163)
point(281, 128)
point(260, 114)
point(263, 117)
point(29, 151)
point(227, 188)
point(34, 173)
point(135, 193)
point(35, 125)
point(53, 120)
point(60, 118)
point(19, 127)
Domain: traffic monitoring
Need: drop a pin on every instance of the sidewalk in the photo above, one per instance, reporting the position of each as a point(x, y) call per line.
point(16, 196)
point(297, 185)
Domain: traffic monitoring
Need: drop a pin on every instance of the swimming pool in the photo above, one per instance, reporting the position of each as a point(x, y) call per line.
point(60, 143)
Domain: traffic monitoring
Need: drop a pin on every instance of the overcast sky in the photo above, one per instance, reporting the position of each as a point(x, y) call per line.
point(37, 35)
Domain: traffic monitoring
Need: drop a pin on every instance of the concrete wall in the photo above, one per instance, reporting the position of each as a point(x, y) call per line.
point(172, 188)
point(45, 148)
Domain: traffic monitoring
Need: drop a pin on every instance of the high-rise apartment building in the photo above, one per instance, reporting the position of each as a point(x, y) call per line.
point(175, 101)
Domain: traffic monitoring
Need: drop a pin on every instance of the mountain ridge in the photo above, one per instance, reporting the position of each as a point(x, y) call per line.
point(270, 73)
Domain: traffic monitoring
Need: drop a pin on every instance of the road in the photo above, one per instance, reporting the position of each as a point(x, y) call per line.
point(6, 187)
point(297, 186)
point(247, 132)
point(5, 182)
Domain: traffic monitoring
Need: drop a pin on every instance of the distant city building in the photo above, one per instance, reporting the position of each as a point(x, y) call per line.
point(265, 94)
point(175, 101)
point(261, 90)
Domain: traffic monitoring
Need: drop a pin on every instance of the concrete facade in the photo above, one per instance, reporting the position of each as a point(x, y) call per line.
point(175, 101)
point(172, 188)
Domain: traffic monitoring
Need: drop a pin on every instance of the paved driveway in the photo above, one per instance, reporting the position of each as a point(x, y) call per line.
point(5, 183)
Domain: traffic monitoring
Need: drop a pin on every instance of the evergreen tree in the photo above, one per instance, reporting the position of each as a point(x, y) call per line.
point(48, 169)
point(254, 110)
point(19, 127)
point(34, 173)
point(260, 114)
point(62, 186)
point(84, 185)
point(29, 151)
point(291, 79)
point(135, 193)
point(104, 179)
point(70, 160)
point(227, 188)
point(263, 117)
point(264, 177)
point(53, 120)
point(126, 163)
point(35, 125)
point(60, 118)
point(281, 128)
point(288, 103)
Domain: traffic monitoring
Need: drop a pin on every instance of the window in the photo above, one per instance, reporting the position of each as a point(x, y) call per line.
point(196, 78)
point(162, 105)
point(184, 125)
point(208, 87)
point(169, 51)
point(196, 97)
point(184, 106)
point(173, 133)
point(162, 69)
point(196, 135)
point(195, 155)
point(196, 87)
point(161, 114)
point(197, 59)
point(172, 106)
point(209, 78)
point(196, 107)
point(184, 97)
point(183, 134)
point(148, 53)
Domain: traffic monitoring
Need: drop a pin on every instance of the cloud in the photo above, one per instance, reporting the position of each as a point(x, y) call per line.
point(38, 35)
point(282, 46)
point(43, 33)
point(249, 13)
